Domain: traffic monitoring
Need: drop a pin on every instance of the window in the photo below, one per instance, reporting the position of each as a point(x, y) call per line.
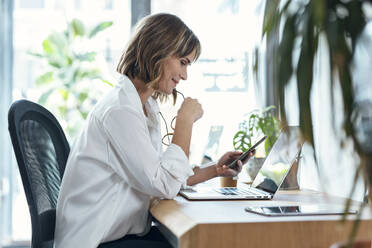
point(33, 22)
point(37, 4)
point(222, 79)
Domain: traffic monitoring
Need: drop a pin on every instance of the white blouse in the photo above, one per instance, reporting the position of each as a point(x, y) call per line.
point(115, 167)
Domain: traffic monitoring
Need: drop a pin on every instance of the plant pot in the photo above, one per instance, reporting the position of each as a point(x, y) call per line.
point(228, 182)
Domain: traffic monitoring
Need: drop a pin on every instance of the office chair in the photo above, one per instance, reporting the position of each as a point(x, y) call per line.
point(41, 150)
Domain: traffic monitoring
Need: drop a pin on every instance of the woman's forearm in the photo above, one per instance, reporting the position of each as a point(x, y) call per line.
point(182, 134)
point(201, 175)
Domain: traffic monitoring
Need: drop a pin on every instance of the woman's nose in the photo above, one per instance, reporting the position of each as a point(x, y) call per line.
point(183, 74)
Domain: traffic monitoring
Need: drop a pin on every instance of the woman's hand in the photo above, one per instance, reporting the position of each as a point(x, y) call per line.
point(190, 109)
point(222, 165)
point(189, 112)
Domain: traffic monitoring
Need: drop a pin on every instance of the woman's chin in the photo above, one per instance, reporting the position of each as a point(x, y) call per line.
point(166, 92)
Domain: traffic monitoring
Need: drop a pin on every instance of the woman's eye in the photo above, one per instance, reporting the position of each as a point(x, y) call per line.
point(183, 62)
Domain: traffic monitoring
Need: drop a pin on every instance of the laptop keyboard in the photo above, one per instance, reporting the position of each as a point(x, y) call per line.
point(234, 191)
point(238, 191)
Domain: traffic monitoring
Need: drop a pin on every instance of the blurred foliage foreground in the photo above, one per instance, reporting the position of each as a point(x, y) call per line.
point(301, 28)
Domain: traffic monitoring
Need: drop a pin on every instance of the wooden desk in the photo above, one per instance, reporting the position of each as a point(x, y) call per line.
point(202, 224)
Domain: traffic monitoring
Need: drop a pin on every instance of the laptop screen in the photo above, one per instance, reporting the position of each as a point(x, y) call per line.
point(279, 161)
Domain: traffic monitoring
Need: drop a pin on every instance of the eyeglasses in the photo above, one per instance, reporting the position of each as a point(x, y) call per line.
point(166, 138)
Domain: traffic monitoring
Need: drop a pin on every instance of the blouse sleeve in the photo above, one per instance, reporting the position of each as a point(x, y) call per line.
point(141, 166)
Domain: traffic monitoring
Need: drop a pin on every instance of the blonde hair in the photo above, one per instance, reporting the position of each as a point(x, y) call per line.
point(156, 38)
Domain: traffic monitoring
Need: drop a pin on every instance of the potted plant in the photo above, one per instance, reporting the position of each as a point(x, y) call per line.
point(256, 124)
point(71, 67)
point(295, 31)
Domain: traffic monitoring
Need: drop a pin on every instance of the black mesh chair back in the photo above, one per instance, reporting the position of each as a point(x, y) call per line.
point(41, 149)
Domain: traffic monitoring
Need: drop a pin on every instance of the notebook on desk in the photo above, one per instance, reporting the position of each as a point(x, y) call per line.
point(269, 178)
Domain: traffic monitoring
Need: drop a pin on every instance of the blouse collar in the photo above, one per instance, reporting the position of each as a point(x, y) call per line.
point(151, 105)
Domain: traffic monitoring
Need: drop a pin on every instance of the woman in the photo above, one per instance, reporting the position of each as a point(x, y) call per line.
point(116, 165)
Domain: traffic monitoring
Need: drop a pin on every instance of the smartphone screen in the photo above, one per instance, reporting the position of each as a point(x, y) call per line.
point(234, 164)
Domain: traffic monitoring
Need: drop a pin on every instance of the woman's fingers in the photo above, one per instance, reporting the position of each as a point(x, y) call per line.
point(235, 154)
point(240, 166)
point(224, 170)
point(251, 154)
point(190, 108)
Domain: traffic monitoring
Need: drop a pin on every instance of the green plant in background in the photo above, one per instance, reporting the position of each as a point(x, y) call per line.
point(72, 67)
point(257, 123)
point(305, 25)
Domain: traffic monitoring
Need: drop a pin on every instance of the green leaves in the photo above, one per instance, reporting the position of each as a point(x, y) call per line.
point(306, 23)
point(284, 59)
point(106, 82)
point(257, 124)
point(271, 16)
point(304, 75)
point(100, 27)
point(45, 79)
point(319, 12)
point(44, 97)
point(77, 27)
point(83, 96)
point(64, 93)
point(70, 68)
point(89, 56)
point(242, 141)
point(48, 47)
point(55, 50)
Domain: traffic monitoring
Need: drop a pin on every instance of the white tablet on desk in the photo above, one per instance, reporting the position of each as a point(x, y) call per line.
point(300, 210)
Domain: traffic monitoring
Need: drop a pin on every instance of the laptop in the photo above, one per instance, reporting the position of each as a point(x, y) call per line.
point(269, 178)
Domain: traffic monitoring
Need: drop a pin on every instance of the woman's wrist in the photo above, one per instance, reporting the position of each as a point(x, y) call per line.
point(212, 172)
point(185, 120)
point(215, 166)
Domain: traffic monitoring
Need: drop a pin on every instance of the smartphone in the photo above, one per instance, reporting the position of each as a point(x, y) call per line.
point(234, 164)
